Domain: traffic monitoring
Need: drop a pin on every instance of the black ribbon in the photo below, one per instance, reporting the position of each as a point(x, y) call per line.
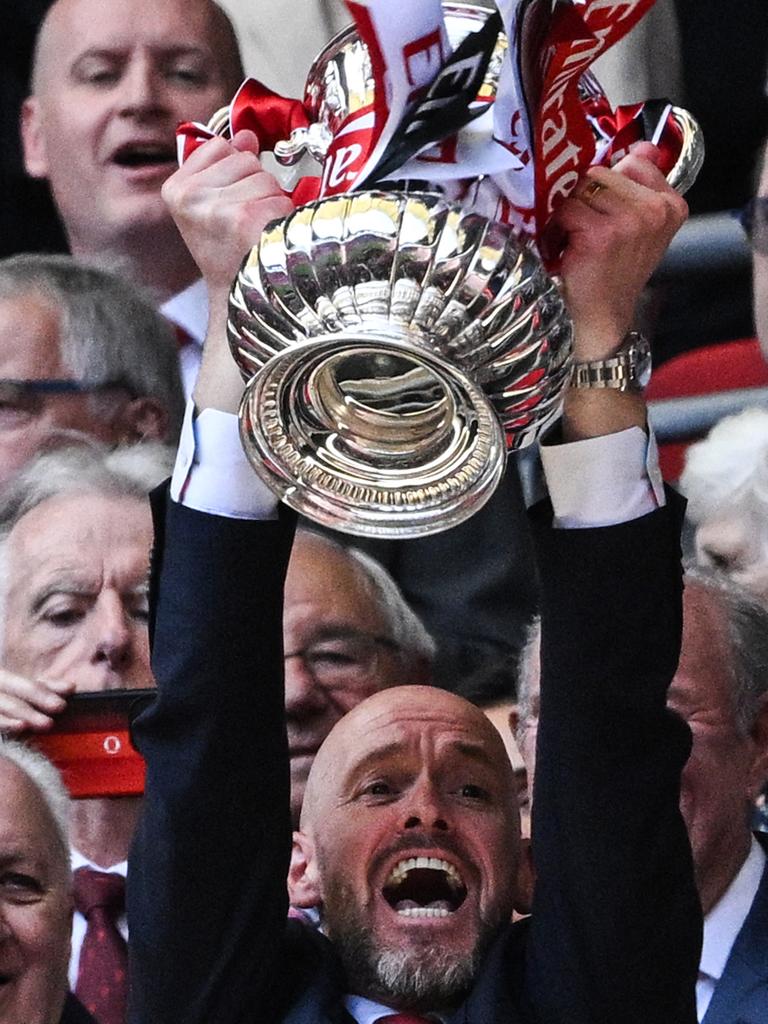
point(448, 104)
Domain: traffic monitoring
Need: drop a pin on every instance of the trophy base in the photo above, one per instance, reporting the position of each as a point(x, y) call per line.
point(372, 436)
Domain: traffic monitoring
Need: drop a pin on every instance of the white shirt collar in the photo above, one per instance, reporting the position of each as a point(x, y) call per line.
point(79, 861)
point(189, 309)
point(723, 923)
point(365, 1011)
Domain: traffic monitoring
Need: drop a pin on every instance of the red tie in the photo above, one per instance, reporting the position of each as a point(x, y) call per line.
point(404, 1018)
point(183, 337)
point(102, 983)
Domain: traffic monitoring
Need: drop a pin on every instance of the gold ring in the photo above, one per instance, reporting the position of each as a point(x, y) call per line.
point(591, 189)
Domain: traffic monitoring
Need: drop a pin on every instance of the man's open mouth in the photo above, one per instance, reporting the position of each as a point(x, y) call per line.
point(144, 154)
point(424, 887)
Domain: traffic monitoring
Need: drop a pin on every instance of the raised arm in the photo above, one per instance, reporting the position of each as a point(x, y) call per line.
point(615, 926)
point(206, 897)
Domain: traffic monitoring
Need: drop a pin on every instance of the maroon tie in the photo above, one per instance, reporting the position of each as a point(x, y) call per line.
point(102, 983)
point(183, 337)
point(404, 1018)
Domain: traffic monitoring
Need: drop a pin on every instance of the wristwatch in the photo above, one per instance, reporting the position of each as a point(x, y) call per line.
point(628, 369)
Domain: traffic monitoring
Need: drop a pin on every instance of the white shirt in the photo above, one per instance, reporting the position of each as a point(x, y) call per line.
point(79, 924)
point(367, 1012)
point(723, 924)
point(189, 309)
point(602, 481)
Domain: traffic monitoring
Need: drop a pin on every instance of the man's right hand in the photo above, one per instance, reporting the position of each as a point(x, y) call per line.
point(221, 200)
point(30, 705)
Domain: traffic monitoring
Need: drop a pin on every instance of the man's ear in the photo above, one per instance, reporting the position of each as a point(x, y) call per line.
point(33, 139)
point(758, 772)
point(303, 881)
point(142, 419)
point(526, 877)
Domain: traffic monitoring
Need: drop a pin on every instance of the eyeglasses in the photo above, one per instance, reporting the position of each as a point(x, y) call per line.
point(24, 398)
point(754, 220)
point(343, 659)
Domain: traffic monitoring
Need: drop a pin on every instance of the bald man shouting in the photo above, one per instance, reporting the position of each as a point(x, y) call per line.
point(408, 846)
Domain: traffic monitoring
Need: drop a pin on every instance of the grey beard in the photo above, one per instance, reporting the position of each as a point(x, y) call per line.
point(417, 978)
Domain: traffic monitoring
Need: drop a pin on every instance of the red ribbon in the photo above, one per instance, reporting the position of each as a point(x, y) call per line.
point(564, 142)
point(270, 116)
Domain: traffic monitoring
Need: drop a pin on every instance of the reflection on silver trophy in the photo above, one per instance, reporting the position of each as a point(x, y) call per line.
point(396, 345)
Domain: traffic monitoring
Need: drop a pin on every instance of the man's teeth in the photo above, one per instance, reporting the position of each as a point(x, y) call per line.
point(438, 909)
point(401, 869)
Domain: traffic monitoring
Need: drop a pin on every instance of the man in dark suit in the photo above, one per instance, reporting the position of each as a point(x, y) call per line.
point(414, 774)
point(721, 690)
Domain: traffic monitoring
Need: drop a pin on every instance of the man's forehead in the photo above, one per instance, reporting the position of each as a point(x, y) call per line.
point(403, 717)
point(29, 335)
point(703, 675)
point(46, 537)
point(27, 831)
point(73, 27)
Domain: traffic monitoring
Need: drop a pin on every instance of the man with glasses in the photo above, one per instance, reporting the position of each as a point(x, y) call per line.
point(81, 356)
point(347, 633)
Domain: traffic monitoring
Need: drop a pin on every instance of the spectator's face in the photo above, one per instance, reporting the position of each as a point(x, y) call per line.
point(332, 616)
point(115, 78)
point(35, 906)
point(760, 267)
point(726, 770)
point(29, 350)
point(76, 600)
point(414, 839)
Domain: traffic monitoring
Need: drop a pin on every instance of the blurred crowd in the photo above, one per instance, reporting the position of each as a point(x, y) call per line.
point(424, 881)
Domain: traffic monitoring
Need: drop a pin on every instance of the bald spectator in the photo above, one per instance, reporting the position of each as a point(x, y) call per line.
point(721, 690)
point(111, 81)
point(36, 892)
point(82, 355)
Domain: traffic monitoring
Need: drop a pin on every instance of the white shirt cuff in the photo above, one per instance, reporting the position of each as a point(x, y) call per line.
point(603, 481)
point(212, 473)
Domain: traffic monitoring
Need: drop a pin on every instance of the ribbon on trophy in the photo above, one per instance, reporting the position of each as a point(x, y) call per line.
point(507, 122)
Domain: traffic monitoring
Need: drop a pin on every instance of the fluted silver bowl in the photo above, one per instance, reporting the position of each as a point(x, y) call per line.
point(395, 347)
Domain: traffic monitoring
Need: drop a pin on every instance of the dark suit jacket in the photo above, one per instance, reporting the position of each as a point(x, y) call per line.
point(206, 886)
point(741, 995)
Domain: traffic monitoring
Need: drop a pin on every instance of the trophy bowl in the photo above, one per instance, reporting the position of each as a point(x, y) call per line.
point(396, 347)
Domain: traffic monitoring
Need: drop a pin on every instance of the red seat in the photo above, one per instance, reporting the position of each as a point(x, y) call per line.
point(729, 366)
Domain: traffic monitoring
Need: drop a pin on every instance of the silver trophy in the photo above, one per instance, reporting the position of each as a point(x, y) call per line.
point(396, 346)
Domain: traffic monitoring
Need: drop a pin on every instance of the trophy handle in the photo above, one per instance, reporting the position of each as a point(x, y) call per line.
point(686, 169)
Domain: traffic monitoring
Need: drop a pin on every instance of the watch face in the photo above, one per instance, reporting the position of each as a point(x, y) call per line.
point(641, 356)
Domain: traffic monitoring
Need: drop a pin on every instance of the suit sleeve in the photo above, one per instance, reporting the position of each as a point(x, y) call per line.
point(616, 922)
point(207, 899)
